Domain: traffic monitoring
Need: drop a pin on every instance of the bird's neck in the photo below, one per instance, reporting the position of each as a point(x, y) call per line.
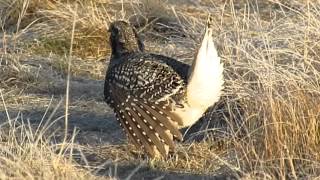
point(124, 50)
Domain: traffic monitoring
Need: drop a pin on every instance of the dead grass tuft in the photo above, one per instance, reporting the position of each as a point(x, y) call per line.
point(18, 14)
point(25, 153)
point(13, 72)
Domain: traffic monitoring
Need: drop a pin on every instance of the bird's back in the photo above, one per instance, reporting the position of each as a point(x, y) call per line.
point(149, 76)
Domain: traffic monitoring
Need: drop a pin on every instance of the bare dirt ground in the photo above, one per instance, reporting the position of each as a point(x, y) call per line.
point(264, 127)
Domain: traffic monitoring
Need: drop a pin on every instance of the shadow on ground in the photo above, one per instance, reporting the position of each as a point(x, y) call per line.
point(95, 123)
point(148, 173)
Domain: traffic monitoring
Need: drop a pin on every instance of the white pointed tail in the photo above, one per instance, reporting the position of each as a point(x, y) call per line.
point(206, 78)
point(205, 81)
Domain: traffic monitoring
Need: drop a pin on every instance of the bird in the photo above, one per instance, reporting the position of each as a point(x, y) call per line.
point(154, 96)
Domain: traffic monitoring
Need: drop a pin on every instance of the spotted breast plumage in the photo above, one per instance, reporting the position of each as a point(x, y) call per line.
point(153, 96)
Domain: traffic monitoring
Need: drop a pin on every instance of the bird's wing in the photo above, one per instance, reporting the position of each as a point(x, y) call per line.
point(142, 94)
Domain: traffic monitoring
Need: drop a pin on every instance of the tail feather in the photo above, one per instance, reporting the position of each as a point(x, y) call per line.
point(206, 78)
point(148, 126)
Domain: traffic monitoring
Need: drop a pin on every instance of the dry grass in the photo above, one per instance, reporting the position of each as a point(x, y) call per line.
point(271, 54)
point(27, 152)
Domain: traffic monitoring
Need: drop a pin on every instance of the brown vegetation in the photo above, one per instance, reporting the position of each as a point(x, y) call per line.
point(271, 54)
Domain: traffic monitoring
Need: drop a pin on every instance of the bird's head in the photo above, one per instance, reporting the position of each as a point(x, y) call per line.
point(124, 39)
